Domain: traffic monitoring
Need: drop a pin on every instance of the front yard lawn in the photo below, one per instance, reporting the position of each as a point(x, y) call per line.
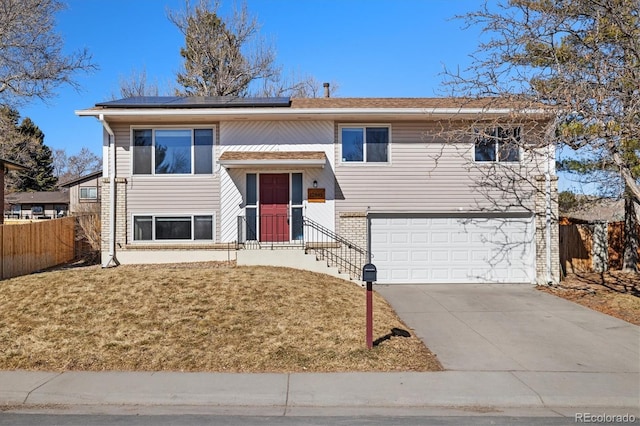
point(614, 293)
point(197, 317)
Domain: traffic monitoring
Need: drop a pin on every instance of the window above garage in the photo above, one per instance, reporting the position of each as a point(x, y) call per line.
point(498, 144)
point(364, 144)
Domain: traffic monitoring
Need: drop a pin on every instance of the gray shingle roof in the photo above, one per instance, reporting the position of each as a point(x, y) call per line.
point(46, 197)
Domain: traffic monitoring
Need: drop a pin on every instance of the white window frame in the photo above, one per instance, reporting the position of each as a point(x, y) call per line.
point(81, 198)
point(291, 205)
point(497, 146)
point(170, 241)
point(364, 126)
point(153, 149)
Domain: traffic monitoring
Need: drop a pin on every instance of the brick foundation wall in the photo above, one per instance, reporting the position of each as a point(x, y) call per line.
point(353, 227)
point(541, 232)
point(121, 213)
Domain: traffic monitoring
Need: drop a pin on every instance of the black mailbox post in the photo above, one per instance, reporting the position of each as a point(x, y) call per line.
point(369, 275)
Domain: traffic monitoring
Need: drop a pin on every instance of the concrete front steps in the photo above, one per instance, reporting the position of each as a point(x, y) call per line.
point(290, 258)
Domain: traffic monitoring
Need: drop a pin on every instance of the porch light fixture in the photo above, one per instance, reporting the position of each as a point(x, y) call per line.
point(315, 183)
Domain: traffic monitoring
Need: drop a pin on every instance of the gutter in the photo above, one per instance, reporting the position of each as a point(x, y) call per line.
point(307, 112)
point(111, 260)
point(273, 163)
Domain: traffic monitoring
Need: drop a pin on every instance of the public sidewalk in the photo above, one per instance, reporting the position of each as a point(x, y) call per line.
point(480, 392)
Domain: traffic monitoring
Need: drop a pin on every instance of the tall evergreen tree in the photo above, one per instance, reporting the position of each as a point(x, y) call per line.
point(225, 56)
point(221, 57)
point(24, 144)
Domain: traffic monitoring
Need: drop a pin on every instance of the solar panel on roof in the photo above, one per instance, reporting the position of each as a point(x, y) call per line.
point(195, 102)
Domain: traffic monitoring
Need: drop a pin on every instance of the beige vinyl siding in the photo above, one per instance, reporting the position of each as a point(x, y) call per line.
point(147, 195)
point(74, 199)
point(424, 174)
point(275, 136)
point(123, 150)
point(183, 195)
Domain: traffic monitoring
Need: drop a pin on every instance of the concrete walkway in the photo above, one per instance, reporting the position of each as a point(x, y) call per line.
point(508, 350)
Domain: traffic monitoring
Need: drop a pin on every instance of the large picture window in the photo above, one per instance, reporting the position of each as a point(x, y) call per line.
point(172, 228)
point(364, 144)
point(498, 144)
point(172, 151)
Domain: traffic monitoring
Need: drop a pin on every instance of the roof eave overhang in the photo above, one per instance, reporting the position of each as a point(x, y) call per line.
point(123, 114)
point(257, 163)
point(10, 165)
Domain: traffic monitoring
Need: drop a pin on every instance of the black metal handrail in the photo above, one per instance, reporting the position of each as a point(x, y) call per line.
point(339, 252)
point(326, 244)
point(251, 232)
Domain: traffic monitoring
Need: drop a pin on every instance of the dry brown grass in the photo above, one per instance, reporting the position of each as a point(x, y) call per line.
point(197, 317)
point(614, 293)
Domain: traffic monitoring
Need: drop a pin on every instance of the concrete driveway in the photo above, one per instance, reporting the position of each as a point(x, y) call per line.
point(495, 327)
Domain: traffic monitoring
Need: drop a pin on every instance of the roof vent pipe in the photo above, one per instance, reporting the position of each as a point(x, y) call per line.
point(326, 90)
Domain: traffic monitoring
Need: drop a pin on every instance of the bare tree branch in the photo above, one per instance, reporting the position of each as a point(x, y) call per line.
point(32, 62)
point(580, 57)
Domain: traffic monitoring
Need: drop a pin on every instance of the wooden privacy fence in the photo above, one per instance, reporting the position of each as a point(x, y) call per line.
point(30, 247)
point(575, 248)
point(616, 244)
point(591, 247)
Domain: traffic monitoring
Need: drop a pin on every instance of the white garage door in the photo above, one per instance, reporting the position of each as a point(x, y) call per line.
point(453, 250)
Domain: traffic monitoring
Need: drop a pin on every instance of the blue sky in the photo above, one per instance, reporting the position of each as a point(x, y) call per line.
point(372, 48)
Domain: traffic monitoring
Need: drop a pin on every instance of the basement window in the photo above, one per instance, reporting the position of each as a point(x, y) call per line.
point(173, 228)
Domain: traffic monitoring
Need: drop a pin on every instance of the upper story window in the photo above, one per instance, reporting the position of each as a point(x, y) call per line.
point(172, 151)
point(364, 144)
point(89, 193)
point(498, 144)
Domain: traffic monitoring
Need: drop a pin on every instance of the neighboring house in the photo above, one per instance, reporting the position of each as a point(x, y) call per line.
point(598, 210)
point(37, 205)
point(191, 179)
point(84, 193)
point(592, 236)
point(5, 167)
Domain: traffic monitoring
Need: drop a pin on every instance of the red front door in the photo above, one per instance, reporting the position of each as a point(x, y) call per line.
point(274, 207)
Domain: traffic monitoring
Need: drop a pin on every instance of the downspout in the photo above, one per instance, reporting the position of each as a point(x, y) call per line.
point(547, 181)
point(111, 260)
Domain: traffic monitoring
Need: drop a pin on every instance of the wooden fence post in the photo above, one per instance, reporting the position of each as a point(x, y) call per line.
point(1, 252)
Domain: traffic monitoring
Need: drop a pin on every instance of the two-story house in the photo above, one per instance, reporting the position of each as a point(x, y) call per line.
point(404, 179)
